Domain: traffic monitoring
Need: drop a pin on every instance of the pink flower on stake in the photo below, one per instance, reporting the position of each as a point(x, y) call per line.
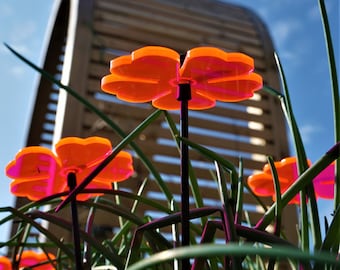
point(38, 172)
point(262, 183)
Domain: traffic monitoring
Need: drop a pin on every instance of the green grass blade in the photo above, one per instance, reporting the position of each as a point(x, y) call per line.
point(302, 166)
point(333, 232)
point(239, 199)
point(336, 101)
point(277, 188)
point(212, 250)
point(192, 177)
point(110, 255)
point(25, 218)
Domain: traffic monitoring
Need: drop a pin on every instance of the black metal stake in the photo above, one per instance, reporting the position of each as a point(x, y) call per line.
point(184, 96)
point(72, 183)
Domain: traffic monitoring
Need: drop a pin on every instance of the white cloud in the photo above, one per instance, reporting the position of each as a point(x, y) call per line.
point(23, 31)
point(308, 131)
point(17, 71)
point(282, 31)
point(314, 13)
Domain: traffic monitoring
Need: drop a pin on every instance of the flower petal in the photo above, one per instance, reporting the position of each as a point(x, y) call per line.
point(261, 184)
point(119, 169)
point(206, 63)
point(33, 162)
point(324, 182)
point(77, 153)
point(31, 258)
point(34, 172)
point(132, 89)
point(5, 263)
point(144, 75)
point(37, 189)
point(230, 89)
point(286, 168)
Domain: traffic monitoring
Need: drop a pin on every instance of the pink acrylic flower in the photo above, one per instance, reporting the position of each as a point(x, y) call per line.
point(28, 259)
point(31, 258)
point(38, 172)
point(5, 263)
point(262, 183)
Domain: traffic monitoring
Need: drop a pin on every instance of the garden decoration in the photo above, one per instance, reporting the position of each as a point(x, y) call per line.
point(38, 172)
point(5, 263)
point(29, 259)
point(159, 75)
point(262, 183)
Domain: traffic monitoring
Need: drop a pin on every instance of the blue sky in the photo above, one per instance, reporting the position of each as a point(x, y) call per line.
point(295, 27)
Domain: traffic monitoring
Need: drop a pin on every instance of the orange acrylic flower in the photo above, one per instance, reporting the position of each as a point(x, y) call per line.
point(154, 73)
point(262, 183)
point(5, 263)
point(31, 258)
point(38, 172)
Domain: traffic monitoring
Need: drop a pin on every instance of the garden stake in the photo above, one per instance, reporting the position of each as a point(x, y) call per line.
point(72, 183)
point(184, 96)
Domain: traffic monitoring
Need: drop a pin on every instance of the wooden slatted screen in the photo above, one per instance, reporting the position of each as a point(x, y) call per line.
point(252, 129)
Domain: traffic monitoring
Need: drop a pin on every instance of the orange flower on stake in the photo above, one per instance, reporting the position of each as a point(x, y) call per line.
point(153, 74)
point(31, 258)
point(38, 172)
point(262, 183)
point(156, 74)
point(5, 263)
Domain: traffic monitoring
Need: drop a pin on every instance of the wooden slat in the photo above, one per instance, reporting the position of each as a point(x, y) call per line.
point(136, 117)
point(143, 12)
point(264, 118)
point(265, 134)
point(237, 20)
point(174, 29)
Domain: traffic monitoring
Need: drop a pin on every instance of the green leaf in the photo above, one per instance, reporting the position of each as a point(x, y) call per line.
point(213, 250)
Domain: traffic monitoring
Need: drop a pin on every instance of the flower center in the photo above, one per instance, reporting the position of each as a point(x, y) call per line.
point(71, 169)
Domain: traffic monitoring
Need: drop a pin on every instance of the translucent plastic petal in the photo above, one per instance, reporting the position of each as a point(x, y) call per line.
point(205, 63)
point(230, 89)
point(150, 62)
point(77, 153)
point(144, 75)
point(261, 184)
point(324, 182)
point(34, 162)
point(170, 102)
point(36, 189)
point(34, 171)
point(119, 169)
point(5, 263)
point(31, 258)
point(134, 90)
